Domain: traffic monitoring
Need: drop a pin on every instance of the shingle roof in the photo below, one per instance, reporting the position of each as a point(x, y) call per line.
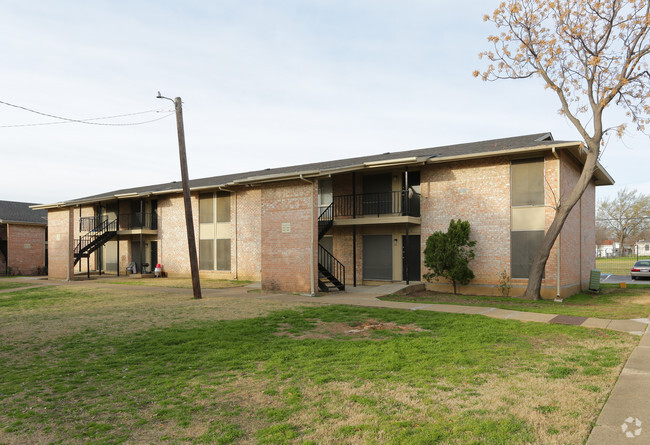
point(450, 151)
point(12, 211)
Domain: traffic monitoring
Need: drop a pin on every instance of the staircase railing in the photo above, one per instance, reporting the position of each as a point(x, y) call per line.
point(90, 240)
point(333, 266)
point(325, 220)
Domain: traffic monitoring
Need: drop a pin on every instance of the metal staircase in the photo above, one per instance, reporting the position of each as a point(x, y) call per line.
point(331, 272)
point(98, 234)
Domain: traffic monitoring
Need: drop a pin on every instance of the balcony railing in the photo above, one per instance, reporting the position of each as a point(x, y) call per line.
point(91, 223)
point(130, 221)
point(400, 203)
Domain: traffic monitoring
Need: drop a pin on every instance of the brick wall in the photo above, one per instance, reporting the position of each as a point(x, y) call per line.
point(476, 191)
point(247, 234)
point(25, 248)
point(287, 257)
point(60, 224)
point(570, 235)
point(588, 233)
point(172, 251)
point(578, 234)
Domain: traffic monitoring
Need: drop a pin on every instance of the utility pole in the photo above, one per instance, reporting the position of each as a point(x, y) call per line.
point(189, 221)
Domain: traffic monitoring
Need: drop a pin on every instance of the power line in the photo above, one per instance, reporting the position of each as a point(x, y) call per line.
point(90, 121)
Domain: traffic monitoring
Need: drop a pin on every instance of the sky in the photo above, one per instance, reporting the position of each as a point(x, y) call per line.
point(264, 84)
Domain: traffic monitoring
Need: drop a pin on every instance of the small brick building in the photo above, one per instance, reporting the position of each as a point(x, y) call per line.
point(347, 222)
point(23, 239)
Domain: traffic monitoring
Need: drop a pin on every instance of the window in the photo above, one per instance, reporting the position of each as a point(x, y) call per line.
point(527, 222)
point(206, 208)
point(527, 182)
point(206, 254)
point(524, 245)
point(223, 254)
point(214, 231)
point(647, 247)
point(223, 207)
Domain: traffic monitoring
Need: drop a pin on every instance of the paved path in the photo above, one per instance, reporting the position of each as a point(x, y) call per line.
point(625, 418)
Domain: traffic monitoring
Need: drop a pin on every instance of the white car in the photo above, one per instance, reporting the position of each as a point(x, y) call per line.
point(640, 269)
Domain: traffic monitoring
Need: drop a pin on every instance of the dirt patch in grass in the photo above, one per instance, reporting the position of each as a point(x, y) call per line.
point(358, 331)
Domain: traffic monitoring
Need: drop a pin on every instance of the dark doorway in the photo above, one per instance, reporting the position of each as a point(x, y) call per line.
point(378, 257)
point(377, 194)
point(154, 254)
point(154, 216)
point(411, 256)
point(136, 257)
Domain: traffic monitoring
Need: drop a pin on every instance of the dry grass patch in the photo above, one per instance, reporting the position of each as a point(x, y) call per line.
point(179, 283)
point(367, 329)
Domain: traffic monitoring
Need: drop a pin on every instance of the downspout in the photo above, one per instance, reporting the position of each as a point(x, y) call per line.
point(311, 257)
point(559, 237)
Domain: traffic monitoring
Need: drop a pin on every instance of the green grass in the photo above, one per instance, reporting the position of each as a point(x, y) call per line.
point(290, 377)
point(617, 266)
point(10, 285)
point(612, 302)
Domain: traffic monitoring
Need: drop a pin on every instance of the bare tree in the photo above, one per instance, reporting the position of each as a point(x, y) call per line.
point(626, 215)
point(590, 54)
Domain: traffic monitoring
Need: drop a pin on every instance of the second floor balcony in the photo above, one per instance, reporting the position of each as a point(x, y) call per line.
point(127, 223)
point(395, 203)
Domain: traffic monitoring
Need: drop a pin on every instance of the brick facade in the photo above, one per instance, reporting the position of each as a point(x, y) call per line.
point(288, 229)
point(60, 223)
point(25, 249)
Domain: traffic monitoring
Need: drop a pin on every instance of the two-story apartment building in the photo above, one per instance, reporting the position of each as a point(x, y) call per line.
point(346, 222)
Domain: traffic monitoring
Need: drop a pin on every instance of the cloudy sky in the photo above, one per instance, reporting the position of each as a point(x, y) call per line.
point(264, 84)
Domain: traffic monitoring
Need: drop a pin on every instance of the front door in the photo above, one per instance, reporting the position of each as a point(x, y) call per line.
point(411, 258)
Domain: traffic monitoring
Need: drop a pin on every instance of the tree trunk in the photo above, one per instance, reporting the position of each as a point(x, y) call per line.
point(562, 213)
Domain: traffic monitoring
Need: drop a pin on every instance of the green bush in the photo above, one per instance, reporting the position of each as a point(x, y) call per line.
point(447, 254)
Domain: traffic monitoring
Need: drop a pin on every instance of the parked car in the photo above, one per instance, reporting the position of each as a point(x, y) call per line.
point(640, 269)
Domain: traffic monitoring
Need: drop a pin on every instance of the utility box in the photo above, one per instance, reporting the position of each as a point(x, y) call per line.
point(594, 280)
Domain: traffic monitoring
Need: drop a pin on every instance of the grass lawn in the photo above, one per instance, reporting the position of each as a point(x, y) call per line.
point(12, 285)
point(183, 283)
point(82, 364)
point(612, 302)
point(618, 266)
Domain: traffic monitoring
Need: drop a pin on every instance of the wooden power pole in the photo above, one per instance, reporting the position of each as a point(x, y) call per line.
point(189, 221)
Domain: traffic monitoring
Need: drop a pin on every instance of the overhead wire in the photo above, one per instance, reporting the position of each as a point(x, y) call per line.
point(90, 121)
